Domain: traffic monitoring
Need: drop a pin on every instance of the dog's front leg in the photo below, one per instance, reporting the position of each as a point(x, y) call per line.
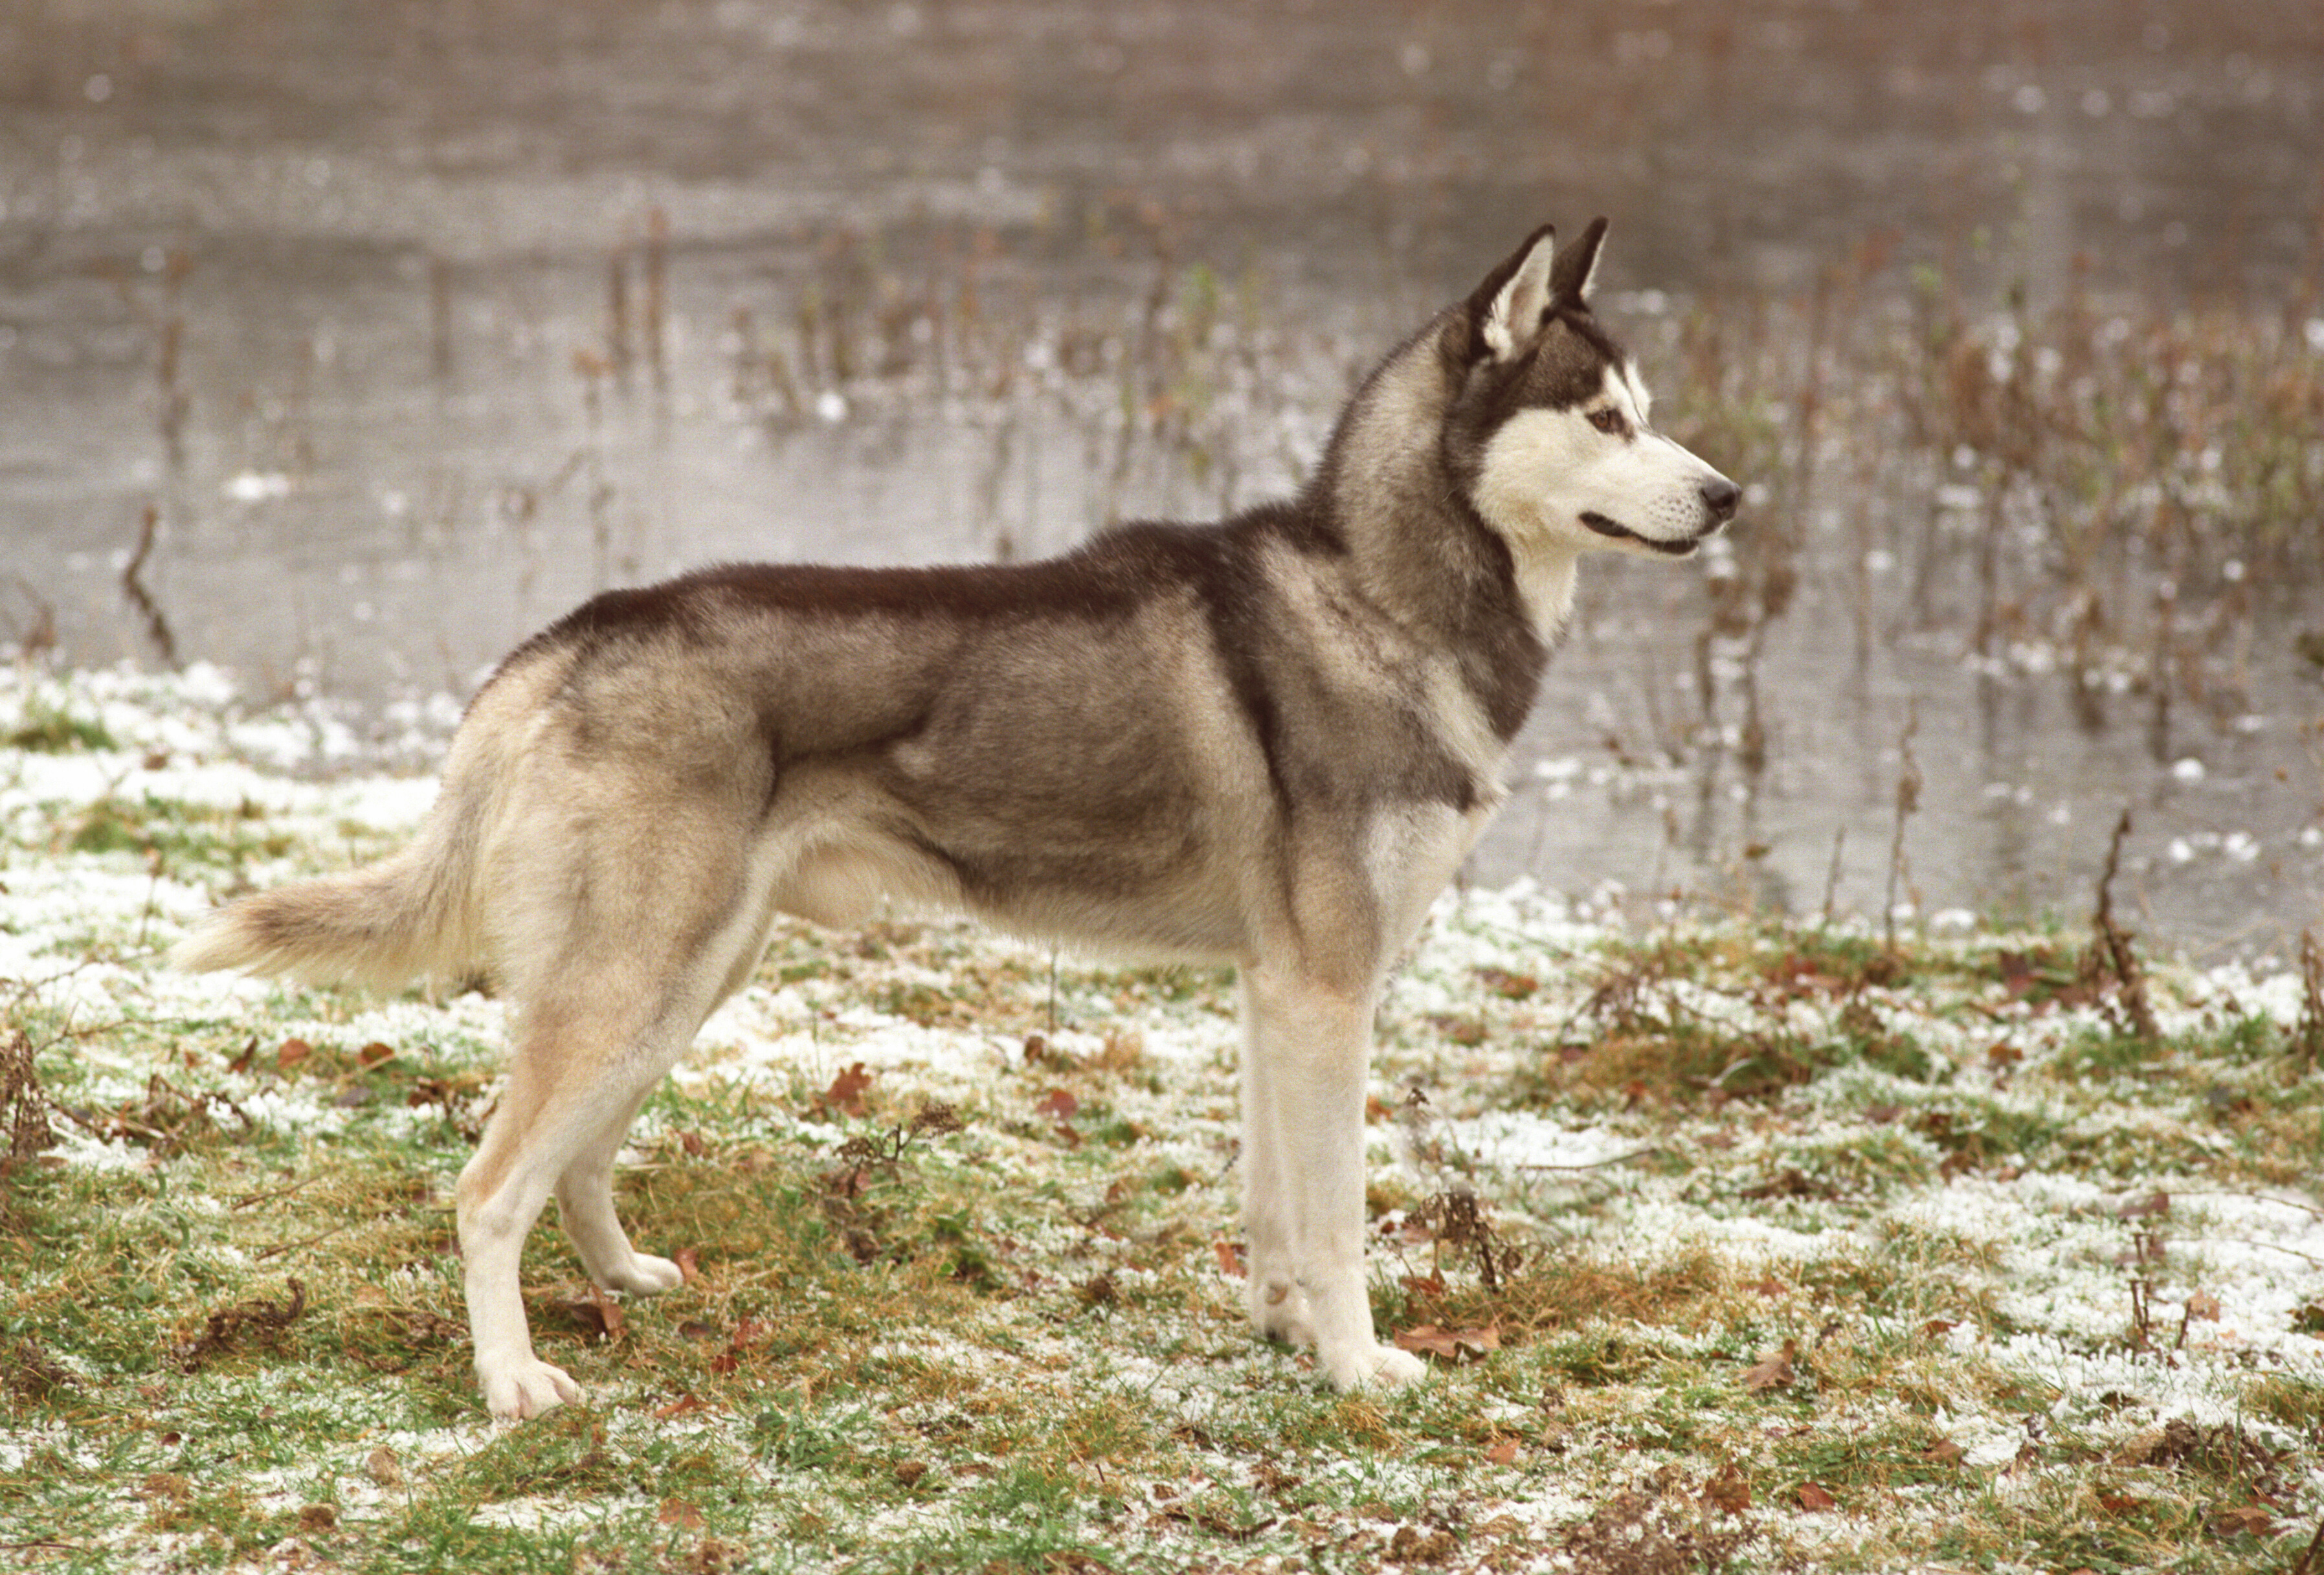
point(1306, 1048)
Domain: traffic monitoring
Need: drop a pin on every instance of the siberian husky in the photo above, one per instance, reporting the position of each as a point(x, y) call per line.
point(1268, 740)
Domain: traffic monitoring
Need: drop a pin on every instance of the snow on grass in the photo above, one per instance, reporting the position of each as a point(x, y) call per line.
point(1805, 1252)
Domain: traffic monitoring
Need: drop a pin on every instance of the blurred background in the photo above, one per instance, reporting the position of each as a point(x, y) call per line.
point(344, 343)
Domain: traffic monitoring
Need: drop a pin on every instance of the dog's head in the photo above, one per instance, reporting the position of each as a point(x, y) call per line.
point(1549, 428)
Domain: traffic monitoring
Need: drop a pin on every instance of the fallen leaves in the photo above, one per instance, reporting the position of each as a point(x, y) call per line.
point(1058, 1107)
point(227, 1326)
point(1729, 1490)
point(599, 1316)
point(1454, 1345)
point(30, 1373)
point(845, 1095)
point(1508, 986)
point(747, 1333)
point(1773, 1370)
point(2244, 1520)
point(1411, 1545)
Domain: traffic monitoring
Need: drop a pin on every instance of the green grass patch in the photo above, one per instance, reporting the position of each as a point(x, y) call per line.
point(961, 1224)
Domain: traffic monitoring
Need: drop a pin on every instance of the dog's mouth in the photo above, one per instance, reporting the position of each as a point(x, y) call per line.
point(1613, 530)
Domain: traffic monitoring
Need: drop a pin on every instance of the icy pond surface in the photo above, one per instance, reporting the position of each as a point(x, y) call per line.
point(411, 325)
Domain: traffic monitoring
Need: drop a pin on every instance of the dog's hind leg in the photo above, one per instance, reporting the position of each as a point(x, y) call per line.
point(606, 1012)
point(583, 1065)
point(559, 1098)
point(585, 1191)
point(1308, 1046)
point(584, 1203)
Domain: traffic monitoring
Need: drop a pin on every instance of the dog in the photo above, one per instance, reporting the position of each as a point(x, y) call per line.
point(1269, 741)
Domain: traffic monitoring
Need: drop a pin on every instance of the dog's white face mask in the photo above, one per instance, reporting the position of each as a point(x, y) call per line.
point(1575, 463)
point(1597, 475)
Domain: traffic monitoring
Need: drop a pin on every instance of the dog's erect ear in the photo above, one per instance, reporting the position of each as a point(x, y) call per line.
point(1506, 309)
point(1569, 282)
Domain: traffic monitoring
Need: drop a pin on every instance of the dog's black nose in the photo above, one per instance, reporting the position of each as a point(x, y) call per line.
point(1721, 496)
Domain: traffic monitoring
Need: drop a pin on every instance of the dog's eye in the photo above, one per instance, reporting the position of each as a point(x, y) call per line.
point(1608, 420)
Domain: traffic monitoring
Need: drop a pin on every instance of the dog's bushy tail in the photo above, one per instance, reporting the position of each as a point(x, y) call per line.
point(410, 914)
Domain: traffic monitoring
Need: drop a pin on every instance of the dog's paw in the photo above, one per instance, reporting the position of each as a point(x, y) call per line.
point(1372, 1367)
point(644, 1276)
point(526, 1388)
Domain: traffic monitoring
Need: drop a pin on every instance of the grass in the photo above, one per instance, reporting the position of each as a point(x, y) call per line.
point(1743, 1246)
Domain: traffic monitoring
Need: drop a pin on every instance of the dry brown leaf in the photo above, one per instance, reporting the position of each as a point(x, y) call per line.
point(1729, 1489)
point(1513, 986)
point(2204, 1306)
point(1945, 1453)
point(604, 1312)
point(1451, 1344)
point(1429, 1340)
point(1772, 1371)
point(679, 1513)
point(845, 1093)
point(1503, 1452)
point(384, 1468)
point(293, 1050)
point(1230, 1256)
point(2243, 1520)
point(1814, 1497)
point(689, 1264)
point(1059, 1105)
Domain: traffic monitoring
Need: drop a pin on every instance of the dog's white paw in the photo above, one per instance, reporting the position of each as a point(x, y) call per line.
point(1372, 1367)
point(526, 1389)
point(643, 1275)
